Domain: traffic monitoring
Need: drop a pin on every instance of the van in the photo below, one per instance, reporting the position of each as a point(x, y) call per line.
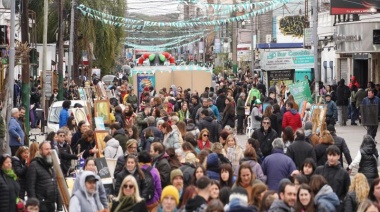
point(55, 110)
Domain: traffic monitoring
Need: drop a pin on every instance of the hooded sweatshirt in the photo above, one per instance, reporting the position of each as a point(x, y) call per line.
point(113, 149)
point(82, 201)
point(326, 199)
point(293, 119)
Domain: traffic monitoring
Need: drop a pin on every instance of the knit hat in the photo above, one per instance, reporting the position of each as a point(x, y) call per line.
point(308, 125)
point(212, 160)
point(239, 193)
point(175, 173)
point(170, 191)
point(191, 158)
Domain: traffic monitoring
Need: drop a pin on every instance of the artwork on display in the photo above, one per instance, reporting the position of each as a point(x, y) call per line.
point(80, 115)
point(99, 141)
point(102, 167)
point(144, 80)
point(82, 94)
point(62, 186)
point(99, 123)
point(102, 109)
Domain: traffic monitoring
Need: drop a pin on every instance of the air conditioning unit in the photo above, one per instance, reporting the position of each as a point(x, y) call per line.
point(268, 38)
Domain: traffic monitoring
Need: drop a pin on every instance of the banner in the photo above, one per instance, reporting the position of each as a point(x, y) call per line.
point(287, 59)
point(287, 76)
point(144, 80)
point(301, 92)
point(339, 7)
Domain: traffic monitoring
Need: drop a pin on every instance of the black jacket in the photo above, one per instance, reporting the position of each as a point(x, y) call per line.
point(342, 145)
point(121, 137)
point(350, 203)
point(138, 207)
point(342, 94)
point(65, 156)
point(9, 191)
point(161, 163)
point(120, 164)
point(20, 169)
point(228, 119)
point(143, 188)
point(86, 147)
point(299, 150)
point(212, 126)
point(41, 182)
point(265, 139)
point(336, 177)
point(320, 153)
point(221, 102)
point(119, 119)
point(188, 173)
point(74, 141)
point(368, 162)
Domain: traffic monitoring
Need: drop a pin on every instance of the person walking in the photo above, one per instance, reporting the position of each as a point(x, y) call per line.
point(371, 99)
point(291, 117)
point(343, 94)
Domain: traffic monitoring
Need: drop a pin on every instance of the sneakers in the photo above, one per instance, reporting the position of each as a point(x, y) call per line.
point(354, 124)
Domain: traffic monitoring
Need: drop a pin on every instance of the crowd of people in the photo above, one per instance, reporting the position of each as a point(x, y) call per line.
point(178, 150)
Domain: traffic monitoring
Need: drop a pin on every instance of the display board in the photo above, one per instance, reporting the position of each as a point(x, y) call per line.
point(183, 79)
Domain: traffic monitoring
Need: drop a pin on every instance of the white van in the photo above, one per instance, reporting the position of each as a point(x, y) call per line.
point(55, 110)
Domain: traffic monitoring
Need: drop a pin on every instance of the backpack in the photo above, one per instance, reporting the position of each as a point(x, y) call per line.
point(149, 183)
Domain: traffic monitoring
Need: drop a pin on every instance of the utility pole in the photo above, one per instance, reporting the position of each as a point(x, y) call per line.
point(252, 46)
point(317, 74)
point(25, 88)
point(60, 50)
point(70, 62)
point(44, 56)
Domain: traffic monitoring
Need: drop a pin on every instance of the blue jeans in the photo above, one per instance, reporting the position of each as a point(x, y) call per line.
point(354, 114)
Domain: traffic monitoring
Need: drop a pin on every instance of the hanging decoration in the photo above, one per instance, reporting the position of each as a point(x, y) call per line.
point(164, 39)
point(127, 22)
point(164, 31)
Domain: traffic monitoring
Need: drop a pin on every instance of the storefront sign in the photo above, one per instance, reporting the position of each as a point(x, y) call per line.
point(339, 7)
point(287, 59)
point(287, 76)
point(347, 38)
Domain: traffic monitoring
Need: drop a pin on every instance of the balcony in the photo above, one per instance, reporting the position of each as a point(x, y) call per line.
point(325, 24)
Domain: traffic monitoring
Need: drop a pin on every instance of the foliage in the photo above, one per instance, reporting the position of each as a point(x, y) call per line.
point(218, 69)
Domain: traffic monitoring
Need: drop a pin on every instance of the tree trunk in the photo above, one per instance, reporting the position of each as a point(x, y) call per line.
point(25, 87)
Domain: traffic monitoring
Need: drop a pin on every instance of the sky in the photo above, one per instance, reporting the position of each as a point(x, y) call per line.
point(152, 7)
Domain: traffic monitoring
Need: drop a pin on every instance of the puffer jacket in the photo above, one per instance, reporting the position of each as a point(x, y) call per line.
point(326, 200)
point(143, 188)
point(350, 203)
point(368, 162)
point(113, 149)
point(20, 169)
point(41, 182)
point(9, 191)
point(256, 168)
point(171, 140)
point(293, 119)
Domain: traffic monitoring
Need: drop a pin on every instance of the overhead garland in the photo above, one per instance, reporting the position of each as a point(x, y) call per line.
point(168, 38)
point(164, 31)
point(127, 22)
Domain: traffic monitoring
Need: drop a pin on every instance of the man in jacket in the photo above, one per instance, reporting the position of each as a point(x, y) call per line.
point(119, 116)
point(265, 135)
point(199, 202)
point(141, 119)
point(253, 92)
point(16, 134)
point(119, 134)
point(205, 106)
point(221, 100)
point(194, 106)
point(160, 162)
point(151, 121)
point(41, 180)
point(65, 153)
point(64, 114)
point(288, 197)
point(240, 113)
point(213, 108)
point(86, 198)
point(291, 118)
point(299, 150)
point(343, 94)
point(332, 112)
point(332, 171)
point(371, 99)
point(210, 124)
point(341, 144)
point(277, 165)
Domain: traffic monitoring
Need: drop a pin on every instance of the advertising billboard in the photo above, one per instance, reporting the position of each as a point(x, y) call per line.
point(287, 59)
point(339, 7)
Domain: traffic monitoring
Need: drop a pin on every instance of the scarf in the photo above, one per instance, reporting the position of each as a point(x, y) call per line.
point(10, 173)
point(125, 204)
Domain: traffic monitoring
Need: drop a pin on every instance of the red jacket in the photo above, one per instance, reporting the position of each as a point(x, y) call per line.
point(201, 146)
point(291, 118)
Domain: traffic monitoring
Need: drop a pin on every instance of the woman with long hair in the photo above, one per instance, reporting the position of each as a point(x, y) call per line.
point(287, 137)
point(214, 190)
point(357, 193)
point(258, 191)
point(228, 114)
point(250, 158)
point(325, 199)
point(87, 144)
point(129, 116)
point(9, 188)
point(367, 159)
point(199, 172)
point(167, 106)
point(184, 113)
point(223, 134)
point(202, 157)
point(204, 140)
point(132, 168)
point(128, 198)
point(368, 206)
point(325, 141)
point(171, 137)
point(246, 179)
point(226, 175)
point(189, 193)
point(181, 125)
point(33, 151)
point(20, 164)
point(234, 152)
point(374, 195)
point(71, 124)
point(305, 199)
point(52, 138)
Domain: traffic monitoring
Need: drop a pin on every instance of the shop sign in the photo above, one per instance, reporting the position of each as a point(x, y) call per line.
point(287, 59)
